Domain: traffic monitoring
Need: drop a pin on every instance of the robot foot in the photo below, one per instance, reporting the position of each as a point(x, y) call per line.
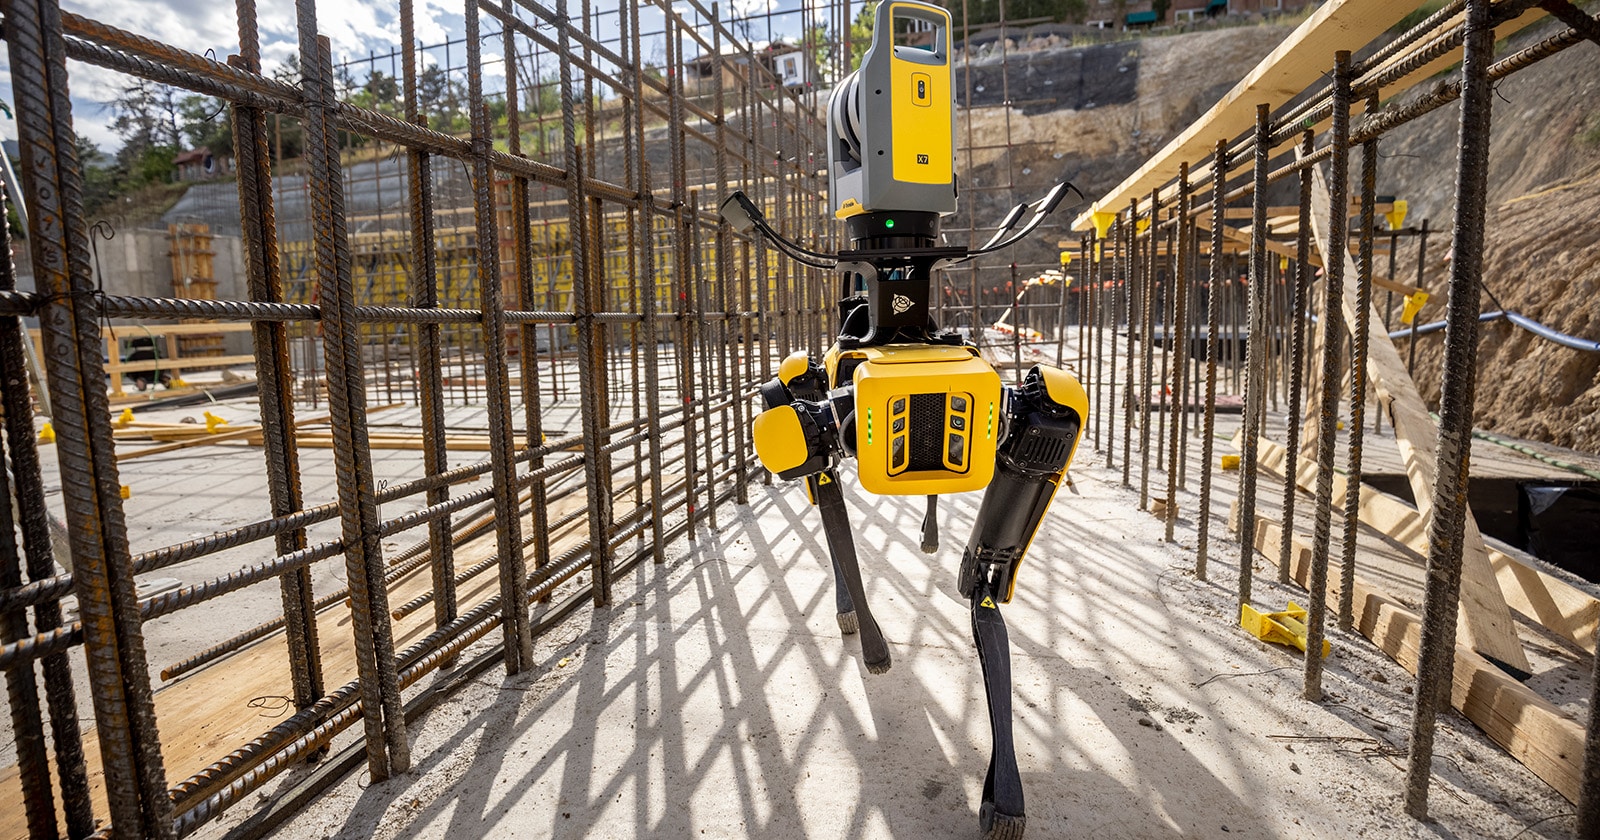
point(998, 826)
point(848, 625)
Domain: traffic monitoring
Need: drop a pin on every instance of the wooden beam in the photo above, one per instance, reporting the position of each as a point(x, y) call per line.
point(1545, 599)
point(1483, 604)
point(1533, 730)
point(1241, 237)
point(1296, 64)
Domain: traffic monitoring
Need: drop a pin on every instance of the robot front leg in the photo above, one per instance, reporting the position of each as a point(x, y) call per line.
point(1044, 423)
point(796, 438)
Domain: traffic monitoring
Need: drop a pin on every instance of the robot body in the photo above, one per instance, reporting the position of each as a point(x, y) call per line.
point(916, 407)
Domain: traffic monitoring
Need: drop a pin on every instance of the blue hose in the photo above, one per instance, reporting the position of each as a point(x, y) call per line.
point(1522, 321)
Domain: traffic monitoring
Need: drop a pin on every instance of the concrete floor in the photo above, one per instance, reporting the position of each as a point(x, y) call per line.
point(715, 698)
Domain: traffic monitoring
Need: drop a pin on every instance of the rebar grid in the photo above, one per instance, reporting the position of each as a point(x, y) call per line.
point(1275, 308)
point(493, 253)
point(552, 207)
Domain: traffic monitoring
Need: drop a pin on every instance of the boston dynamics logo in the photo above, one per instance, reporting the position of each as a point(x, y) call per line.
point(901, 304)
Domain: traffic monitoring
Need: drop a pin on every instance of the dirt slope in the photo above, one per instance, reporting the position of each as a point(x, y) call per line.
point(1542, 249)
point(1073, 117)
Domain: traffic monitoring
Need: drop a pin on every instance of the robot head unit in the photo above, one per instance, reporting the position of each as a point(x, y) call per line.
point(891, 123)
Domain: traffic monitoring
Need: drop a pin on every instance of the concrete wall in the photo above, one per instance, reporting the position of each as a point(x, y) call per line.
point(137, 262)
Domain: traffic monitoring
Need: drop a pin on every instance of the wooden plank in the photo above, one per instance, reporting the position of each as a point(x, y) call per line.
point(182, 362)
point(1545, 599)
point(1241, 237)
point(1533, 730)
point(240, 434)
point(214, 710)
point(1296, 64)
point(1488, 618)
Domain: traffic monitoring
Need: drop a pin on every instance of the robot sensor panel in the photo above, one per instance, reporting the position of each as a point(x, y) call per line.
point(926, 425)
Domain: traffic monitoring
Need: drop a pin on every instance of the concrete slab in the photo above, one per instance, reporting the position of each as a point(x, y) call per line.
point(715, 698)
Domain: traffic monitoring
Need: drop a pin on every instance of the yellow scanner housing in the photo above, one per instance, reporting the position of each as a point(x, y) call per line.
point(927, 419)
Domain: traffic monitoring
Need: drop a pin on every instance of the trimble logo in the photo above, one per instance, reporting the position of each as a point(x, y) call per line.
point(901, 304)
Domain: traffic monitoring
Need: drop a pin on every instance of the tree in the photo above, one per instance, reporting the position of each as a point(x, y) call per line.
point(380, 93)
point(145, 114)
point(100, 176)
point(206, 124)
point(439, 98)
point(146, 118)
point(861, 34)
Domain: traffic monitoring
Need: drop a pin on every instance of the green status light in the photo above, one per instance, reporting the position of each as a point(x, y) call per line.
point(888, 223)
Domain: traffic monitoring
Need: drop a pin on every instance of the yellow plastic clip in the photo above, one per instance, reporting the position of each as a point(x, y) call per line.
point(1230, 462)
point(1284, 628)
point(1066, 258)
point(126, 492)
point(1141, 225)
point(1102, 222)
point(213, 422)
point(1397, 216)
point(47, 434)
point(124, 419)
point(1413, 305)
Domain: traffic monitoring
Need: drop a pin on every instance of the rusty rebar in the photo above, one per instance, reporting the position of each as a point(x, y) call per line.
point(1436, 659)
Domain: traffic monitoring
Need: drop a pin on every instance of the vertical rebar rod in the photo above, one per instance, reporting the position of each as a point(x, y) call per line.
point(648, 287)
point(1169, 302)
point(514, 622)
point(1256, 341)
point(1589, 789)
point(22, 450)
point(1219, 204)
point(1147, 347)
point(130, 745)
point(725, 273)
point(1297, 363)
point(1114, 315)
point(591, 371)
point(259, 244)
point(22, 680)
point(1333, 337)
point(1178, 333)
point(1422, 264)
point(1388, 311)
point(527, 333)
point(1440, 596)
point(1131, 299)
point(682, 280)
point(1358, 378)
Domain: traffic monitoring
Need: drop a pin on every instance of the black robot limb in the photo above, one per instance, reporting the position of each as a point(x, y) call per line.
point(798, 434)
point(1044, 418)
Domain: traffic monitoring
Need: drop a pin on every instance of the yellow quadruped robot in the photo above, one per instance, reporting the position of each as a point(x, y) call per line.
point(916, 406)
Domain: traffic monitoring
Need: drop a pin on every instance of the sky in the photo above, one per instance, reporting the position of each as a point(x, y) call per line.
point(355, 28)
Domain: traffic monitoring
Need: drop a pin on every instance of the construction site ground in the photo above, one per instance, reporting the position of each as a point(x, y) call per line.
point(715, 697)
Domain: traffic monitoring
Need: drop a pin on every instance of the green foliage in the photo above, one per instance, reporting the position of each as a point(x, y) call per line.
point(100, 182)
point(380, 93)
point(1590, 133)
point(206, 124)
point(1416, 16)
point(861, 34)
